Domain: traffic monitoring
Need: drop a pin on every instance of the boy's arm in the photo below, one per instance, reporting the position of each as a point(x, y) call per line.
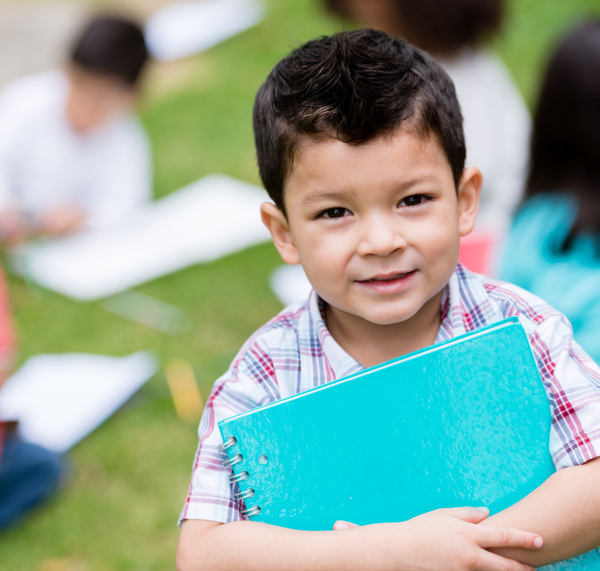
point(444, 539)
point(564, 510)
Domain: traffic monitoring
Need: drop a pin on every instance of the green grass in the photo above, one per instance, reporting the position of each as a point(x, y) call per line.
point(129, 478)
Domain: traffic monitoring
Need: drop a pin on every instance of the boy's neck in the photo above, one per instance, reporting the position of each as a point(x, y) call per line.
point(371, 344)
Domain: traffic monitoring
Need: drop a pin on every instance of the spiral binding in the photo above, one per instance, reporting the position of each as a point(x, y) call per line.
point(249, 493)
point(237, 459)
point(231, 441)
point(240, 477)
point(254, 510)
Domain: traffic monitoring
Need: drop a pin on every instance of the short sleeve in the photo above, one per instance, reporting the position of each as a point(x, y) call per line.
point(249, 383)
point(572, 381)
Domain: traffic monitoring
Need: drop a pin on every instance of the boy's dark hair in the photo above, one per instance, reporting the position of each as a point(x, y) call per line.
point(565, 146)
point(438, 26)
point(353, 86)
point(111, 45)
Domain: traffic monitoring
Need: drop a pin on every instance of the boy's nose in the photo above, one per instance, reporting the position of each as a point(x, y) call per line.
point(380, 236)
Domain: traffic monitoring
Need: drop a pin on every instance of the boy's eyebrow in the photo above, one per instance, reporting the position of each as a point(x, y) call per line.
point(319, 196)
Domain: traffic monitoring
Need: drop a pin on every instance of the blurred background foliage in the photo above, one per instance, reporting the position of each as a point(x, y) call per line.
point(128, 479)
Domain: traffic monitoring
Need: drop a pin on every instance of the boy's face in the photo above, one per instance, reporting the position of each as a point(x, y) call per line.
point(95, 98)
point(375, 226)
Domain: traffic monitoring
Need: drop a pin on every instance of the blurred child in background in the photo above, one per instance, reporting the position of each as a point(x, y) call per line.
point(29, 474)
point(553, 249)
point(496, 120)
point(72, 156)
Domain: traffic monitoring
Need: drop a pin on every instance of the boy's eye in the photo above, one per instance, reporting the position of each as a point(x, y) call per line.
point(336, 212)
point(413, 200)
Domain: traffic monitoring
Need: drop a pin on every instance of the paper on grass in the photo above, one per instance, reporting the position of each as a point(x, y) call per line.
point(60, 398)
point(212, 217)
point(182, 29)
point(148, 311)
point(290, 284)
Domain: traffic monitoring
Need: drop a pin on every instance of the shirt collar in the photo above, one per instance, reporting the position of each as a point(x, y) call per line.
point(449, 296)
point(466, 305)
point(340, 362)
point(463, 298)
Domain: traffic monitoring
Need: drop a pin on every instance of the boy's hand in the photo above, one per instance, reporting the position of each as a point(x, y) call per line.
point(449, 539)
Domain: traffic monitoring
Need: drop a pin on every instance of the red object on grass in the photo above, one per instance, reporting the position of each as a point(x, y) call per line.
point(7, 343)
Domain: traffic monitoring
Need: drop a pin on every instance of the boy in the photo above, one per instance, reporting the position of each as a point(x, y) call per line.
point(360, 145)
point(71, 154)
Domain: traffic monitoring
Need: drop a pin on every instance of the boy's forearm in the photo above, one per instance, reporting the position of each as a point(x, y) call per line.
point(564, 510)
point(250, 545)
point(443, 539)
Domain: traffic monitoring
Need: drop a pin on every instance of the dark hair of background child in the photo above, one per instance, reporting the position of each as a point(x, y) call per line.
point(113, 46)
point(565, 147)
point(441, 27)
point(354, 86)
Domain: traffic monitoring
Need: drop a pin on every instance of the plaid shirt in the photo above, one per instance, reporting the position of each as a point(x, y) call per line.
point(294, 352)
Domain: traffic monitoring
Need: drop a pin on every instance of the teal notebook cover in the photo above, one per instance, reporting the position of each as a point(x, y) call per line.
point(464, 422)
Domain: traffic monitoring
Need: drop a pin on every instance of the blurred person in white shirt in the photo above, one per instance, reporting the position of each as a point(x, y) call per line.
point(72, 154)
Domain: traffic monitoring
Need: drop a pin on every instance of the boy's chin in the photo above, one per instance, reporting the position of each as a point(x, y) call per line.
point(375, 319)
point(388, 321)
point(399, 313)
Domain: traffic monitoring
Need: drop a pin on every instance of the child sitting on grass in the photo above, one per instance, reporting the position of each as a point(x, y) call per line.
point(29, 473)
point(72, 155)
point(360, 145)
point(553, 248)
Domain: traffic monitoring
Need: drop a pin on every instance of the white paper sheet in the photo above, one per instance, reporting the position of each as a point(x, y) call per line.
point(210, 218)
point(58, 399)
point(149, 311)
point(182, 29)
point(290, 284)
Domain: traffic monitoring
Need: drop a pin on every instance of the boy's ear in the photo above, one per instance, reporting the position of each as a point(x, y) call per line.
point(469, 189)
point(279, 228)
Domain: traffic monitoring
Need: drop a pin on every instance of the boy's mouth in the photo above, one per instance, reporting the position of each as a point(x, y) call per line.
point(388, 277)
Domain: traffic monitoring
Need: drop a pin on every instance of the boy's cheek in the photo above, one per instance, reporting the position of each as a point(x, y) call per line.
point(436, 234)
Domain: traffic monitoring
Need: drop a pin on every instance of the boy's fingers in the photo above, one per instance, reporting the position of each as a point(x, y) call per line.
point(492, 562)
point(340, 524)
point(468, 514)
point(508, 537)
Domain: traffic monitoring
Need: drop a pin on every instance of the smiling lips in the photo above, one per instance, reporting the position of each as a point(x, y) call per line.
point(388, 283)
point(387, 277)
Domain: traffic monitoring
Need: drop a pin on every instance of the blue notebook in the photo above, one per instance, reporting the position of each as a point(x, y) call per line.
point(463, 422)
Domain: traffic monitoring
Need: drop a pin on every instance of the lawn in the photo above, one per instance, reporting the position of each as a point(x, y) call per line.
point(128, 480)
